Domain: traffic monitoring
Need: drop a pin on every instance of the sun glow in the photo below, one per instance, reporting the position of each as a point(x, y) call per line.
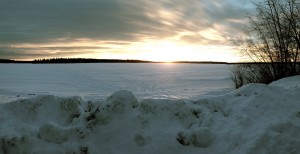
point(170, 51)
point(167, 50)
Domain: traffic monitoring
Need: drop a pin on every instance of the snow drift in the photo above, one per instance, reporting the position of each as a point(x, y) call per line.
point(256, 118)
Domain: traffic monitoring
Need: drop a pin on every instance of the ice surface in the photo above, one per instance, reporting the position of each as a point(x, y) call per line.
point(256, 118)
point(97, 81)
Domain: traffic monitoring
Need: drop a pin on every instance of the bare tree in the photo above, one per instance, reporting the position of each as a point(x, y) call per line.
point(272, 43)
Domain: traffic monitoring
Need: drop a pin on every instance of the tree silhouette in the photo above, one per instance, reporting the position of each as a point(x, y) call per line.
point(272, 42)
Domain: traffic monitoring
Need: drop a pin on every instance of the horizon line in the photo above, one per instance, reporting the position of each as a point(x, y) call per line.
point(95, 60)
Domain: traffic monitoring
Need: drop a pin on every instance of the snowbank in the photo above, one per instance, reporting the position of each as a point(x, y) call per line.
point(256, 118)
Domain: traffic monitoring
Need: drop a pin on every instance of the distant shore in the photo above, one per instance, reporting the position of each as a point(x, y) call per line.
point(89, 60)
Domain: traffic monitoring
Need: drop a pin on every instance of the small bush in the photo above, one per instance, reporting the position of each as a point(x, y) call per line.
point(243, 74)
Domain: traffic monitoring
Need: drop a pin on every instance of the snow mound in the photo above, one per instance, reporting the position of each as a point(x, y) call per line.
point(256, 118)
point(201, 137)
point(289, 82)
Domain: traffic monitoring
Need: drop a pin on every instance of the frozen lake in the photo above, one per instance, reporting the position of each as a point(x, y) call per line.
point(98, 81)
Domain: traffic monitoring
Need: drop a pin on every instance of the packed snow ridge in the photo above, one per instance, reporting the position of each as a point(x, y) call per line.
point(256, 118)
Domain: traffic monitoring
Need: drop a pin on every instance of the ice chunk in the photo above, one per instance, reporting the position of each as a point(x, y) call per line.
point(201, 137)
point(120, 102)
point(52, 132)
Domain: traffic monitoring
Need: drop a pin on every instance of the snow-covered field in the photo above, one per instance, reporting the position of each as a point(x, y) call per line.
point(256, 118)
point(98, 81)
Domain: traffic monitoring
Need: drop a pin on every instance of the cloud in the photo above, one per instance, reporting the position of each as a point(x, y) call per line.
point(44, 21)
point(45, 52)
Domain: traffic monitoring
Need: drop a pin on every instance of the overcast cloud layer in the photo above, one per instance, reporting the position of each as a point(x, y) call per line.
point(27, 24)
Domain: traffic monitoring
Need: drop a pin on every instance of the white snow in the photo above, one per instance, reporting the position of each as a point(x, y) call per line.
point(292, 82)
point(256, 118)
point(97, 81)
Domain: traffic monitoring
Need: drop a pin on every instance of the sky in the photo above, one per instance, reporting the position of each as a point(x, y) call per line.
point(162, 30)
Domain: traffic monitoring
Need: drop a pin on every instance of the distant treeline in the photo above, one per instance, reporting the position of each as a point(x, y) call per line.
point(91, 60)
point(7, 61)
point(86, 60)
point(73, 60)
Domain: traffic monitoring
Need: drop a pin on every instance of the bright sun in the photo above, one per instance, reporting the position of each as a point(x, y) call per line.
point(167, 51)
point(170, 51)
